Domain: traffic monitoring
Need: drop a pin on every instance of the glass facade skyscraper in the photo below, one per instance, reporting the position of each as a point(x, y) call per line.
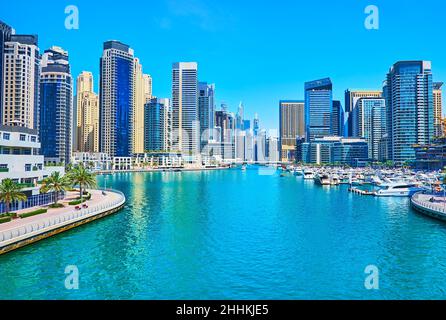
point(369, 122)
point(157, 125)
point(408, 91)
point(206, 111)
point(116, 99)
point(337, 119)
point(56, 106)
point(318, 108)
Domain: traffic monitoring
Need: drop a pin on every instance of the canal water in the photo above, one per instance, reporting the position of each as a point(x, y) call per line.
point(236, 234)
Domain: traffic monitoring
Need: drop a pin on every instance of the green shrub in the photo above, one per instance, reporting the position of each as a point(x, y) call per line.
point(5, 219)
point(76, 202)
point(33, 213)
point(56, 206)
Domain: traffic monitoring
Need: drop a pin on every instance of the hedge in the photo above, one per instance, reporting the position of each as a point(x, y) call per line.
point(5, 219)
point(76, 202)
point(33, 213)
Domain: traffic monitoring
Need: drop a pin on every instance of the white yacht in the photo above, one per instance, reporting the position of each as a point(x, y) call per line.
point(398, 189)
point(322, 179)
point(308, 174)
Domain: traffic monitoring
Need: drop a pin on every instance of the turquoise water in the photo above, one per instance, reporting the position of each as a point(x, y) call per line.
point(236, 235)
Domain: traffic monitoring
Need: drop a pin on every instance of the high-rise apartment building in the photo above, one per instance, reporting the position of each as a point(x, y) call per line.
point(292, 125)
point(116, 100)
point(87, 111)
point(140, 94)
point(369, 122)
point(351, 99)
point(408, 91)
point(56, 106)
point(5, 36)
point(147, 87)
point(186, 135)
point(337, 119)
point(318, 108)
point(157, 126)
point(21, 70)
point(438, 109)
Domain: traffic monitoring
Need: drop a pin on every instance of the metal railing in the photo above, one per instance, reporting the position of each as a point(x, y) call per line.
point(47, 224)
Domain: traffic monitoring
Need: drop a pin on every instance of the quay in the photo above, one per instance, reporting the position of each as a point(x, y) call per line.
point(362, 192)
point(430, 205)
point(22, 232)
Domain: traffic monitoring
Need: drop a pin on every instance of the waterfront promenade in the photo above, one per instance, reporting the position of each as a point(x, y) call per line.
point(21, 232)
point(431, 205)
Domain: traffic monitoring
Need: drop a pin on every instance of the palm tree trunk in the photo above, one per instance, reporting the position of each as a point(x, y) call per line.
point(7, 206)
point(56, 197)
point(81, 191)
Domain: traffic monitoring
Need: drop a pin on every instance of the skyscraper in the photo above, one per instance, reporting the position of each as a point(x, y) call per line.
point(157, 125)
point(292, 125)
point(438, 109)
point(185, 107)
point(239, 117)
point(5, 36)
point(56, 106)
point(408, 91)
point(147, 87)
point(87, 110)
point(256, 124)
point(116, 99)
point(140, 94)
point(318, 108)
point(351, 99)
point(369, 122)
point(206, 111)
point(337, 119)
point(21, 67)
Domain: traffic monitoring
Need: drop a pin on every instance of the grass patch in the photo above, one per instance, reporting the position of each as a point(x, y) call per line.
point(56, 206)
point(5, 219)
point(33, 213)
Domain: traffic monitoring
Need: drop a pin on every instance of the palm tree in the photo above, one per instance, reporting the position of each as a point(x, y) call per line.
point(10, 192)
point(55, 183)
point(83, 178)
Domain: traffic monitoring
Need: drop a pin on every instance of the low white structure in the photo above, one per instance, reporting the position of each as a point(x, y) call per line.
point(96, 161)
point(20, 161)
point(19, 158)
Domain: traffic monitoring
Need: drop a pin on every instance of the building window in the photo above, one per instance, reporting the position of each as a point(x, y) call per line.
point(22, 137)
point(6, 136)
point(27, 167)
point(33, 139)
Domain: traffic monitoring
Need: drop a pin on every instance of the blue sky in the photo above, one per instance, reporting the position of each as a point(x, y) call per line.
point(258, 52)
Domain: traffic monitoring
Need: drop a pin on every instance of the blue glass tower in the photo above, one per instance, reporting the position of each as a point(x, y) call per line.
point(318, 108)
point(157, 126)
point(116, 99)
point(56, 106)
point(408, 91)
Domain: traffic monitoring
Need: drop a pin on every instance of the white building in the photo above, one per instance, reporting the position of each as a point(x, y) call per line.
point(96, 161)
point(20, 161)
point(186, 127)
point(21, 82)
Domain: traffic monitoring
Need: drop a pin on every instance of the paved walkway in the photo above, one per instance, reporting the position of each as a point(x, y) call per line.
point(97, 198)
point(437, 203)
